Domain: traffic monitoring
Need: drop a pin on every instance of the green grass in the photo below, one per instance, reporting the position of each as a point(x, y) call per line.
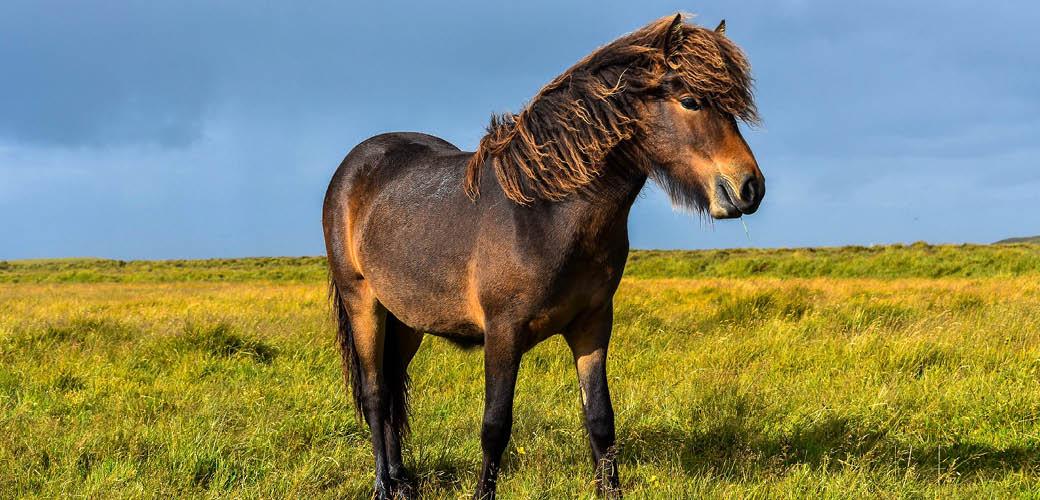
point(90, 270)
point(220, 379)
point(919, 260)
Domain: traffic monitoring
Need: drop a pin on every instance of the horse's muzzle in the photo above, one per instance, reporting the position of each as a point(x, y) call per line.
point(729, 203)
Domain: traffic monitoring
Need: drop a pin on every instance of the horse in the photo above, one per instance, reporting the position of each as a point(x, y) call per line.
point(527, 237)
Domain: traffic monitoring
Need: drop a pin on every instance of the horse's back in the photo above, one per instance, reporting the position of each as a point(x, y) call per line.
point(391, 150)
point(379, 158)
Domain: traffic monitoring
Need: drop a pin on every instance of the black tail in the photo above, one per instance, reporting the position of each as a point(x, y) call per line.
point(395, 375)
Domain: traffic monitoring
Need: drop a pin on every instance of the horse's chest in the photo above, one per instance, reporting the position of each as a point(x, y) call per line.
point(584, 285)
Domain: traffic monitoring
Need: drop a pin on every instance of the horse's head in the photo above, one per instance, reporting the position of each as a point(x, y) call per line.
point(664, 99)
point(689, 124)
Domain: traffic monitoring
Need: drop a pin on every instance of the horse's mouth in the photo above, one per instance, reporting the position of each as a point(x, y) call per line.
point(722, 204)
point(728, 204)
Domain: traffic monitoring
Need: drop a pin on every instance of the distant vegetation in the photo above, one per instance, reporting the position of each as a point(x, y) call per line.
point(890, 261)
point(892, 372)
point(88, 270)
point(1020, 239)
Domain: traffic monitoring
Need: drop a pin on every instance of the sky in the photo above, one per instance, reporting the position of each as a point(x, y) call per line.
point(191, 129)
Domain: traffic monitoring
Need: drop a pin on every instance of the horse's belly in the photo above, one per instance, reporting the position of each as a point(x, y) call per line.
point(431, 302)
point(437, 315)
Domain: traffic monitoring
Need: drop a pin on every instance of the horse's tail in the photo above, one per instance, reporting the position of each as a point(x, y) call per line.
point(395, 374)
point(348, 355)
point(395, 377)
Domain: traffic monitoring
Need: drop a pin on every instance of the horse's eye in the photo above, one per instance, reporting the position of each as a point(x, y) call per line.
point(690, 103)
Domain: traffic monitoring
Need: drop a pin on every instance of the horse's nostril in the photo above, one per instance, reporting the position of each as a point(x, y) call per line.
point(749, 190)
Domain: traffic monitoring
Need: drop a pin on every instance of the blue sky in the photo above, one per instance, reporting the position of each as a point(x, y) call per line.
point(201, 129)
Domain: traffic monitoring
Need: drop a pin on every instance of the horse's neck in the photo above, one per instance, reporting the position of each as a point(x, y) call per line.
point(601, 213)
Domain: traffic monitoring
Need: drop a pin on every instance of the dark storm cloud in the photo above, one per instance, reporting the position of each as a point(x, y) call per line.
point(93, 74)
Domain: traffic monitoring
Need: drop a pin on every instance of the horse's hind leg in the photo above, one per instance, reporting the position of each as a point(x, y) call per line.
point(366, 340)
point(402, 342)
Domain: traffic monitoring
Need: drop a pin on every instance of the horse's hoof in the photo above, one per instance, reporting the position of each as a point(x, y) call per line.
point(609, 488)
point(402, 490)
point(381, 492)
point(609, 492)
point(482, 494)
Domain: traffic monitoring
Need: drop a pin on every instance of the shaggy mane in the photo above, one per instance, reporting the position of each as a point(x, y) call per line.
point(560, 141)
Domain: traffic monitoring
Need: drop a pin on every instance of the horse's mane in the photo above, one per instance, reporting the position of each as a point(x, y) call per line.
point(560, 141)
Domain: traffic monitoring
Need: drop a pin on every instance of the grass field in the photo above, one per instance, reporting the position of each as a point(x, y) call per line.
point(907, 371)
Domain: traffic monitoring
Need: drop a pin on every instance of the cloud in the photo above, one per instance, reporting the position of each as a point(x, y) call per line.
point(87, 75)
point(165, 129)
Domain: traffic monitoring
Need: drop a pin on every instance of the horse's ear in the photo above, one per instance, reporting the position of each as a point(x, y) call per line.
point(721, 28)
point(673, 38)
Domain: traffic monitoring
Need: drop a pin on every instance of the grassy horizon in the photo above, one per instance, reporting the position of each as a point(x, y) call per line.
point(735, 374)
point(918, 260)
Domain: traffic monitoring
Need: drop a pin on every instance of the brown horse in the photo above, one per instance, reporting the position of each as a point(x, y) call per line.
point(419, 241)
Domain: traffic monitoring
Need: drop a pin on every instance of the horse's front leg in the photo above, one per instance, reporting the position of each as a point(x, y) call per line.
point(501, 364)
point(588, 338)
